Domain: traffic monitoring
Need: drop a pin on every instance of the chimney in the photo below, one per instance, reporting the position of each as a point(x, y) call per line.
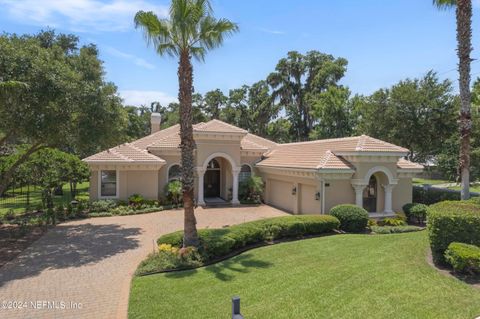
point(155, 121)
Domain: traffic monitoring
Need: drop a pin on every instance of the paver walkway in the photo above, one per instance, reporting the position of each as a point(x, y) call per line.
point(86, 266)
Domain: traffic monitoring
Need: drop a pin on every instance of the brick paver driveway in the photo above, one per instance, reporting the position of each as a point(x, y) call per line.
point(87, 265)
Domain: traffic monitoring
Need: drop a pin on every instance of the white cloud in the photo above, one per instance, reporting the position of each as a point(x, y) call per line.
point(80, 15)
point(138, 61)
point(138, 97)
point(277, 32)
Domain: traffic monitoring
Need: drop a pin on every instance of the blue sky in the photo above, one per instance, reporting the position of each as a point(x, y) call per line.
point(384, 41)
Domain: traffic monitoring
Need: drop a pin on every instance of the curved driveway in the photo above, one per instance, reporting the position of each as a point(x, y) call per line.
point(83, 269)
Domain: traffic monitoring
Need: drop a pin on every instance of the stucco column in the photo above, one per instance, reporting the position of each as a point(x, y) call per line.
point(235, 172)
point(359, 194)
point(388, 198)
point(200, 173)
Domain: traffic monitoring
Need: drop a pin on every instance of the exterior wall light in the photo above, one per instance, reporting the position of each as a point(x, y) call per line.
point(294, 190)
point(317, 196)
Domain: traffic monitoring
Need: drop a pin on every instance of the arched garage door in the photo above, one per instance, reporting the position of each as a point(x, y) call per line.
point(280, 195)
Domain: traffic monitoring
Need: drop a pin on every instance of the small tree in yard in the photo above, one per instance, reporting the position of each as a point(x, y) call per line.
point(174, 191)
point(190, 30)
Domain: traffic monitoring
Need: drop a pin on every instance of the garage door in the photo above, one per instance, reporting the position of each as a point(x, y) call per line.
point(280, 195)
point(308, 204)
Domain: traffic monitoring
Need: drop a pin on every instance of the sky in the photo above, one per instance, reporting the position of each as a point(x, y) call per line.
point(384, 41)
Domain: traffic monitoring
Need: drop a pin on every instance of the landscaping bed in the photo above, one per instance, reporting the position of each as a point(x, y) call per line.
point(218, 243)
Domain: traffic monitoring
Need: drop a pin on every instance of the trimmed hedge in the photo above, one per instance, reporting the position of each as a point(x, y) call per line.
point(352, 218)
point(432, 195)
point(452, 221)
point(463, 257)
point(415, 210)
point(219, 242)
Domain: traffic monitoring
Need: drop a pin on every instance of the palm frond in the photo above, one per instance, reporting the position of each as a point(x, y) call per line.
point(156, 31)
point(444, 4)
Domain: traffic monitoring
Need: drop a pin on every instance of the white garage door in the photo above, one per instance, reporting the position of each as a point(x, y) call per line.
point(280, 195)
point(308, 203)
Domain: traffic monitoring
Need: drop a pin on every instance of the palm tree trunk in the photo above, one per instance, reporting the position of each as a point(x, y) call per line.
point(464, 37)
point(187, 145)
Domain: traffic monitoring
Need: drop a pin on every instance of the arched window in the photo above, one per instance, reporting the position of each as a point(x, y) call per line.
point(174, 173)
point(245, 173)
point(213, 164)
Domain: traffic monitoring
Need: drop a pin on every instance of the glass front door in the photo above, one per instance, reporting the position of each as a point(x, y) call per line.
point(370, 196)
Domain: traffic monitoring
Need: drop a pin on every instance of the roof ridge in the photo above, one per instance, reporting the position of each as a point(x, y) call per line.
point(326, 158)
point(262, 138)
point(112, 150)
point(360, 142)
point(319, 141)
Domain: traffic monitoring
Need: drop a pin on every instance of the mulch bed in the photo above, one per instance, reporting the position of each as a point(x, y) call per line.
point(13, 240)
point(473, 280)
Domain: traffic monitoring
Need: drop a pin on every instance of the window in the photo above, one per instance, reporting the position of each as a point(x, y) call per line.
point(108, 183)
point(174, 173)
point(245, 173)
point(213, 164)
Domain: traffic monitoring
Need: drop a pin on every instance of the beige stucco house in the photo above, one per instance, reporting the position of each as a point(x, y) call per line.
point(300, 178)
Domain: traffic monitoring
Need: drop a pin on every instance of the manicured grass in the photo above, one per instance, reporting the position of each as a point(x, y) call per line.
point(19, 201)
point(421, 181)
point(473, 188)
point(340, 276)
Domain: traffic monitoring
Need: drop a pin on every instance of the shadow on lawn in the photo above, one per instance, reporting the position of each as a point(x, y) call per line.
point(225, 270)
point(70, 246)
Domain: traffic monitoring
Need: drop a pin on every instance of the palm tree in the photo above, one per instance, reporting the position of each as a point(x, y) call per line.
point(190, 31)
point(463, 10)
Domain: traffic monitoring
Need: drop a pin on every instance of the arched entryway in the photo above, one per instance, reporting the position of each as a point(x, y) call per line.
point(374, 191)
point(218, 179)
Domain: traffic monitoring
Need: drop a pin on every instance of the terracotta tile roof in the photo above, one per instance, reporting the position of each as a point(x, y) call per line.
point(252, 141)
point(217, 126)
point(322, 154)
point(404, 164)
point(146, 141)
point(126, 153)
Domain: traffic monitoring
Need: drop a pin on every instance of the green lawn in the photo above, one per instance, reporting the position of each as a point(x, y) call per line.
point(341, 276)
point(19, 201)
point(421, 181)
point(473, 188)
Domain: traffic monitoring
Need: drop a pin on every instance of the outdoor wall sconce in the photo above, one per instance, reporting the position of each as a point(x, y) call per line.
point(317, 196)
point(294, 191)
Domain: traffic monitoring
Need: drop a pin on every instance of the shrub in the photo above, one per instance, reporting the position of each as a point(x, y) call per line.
point(372, 222)
point(173, 191)
point(102, 205)
point(169, 257)
point(394, 229)
point(251, 189)
point(352, 218)
point(394, 221)
point(219, 242)
point(463, 257)
point(432, 195)
point(452, 221)
point(415, 210)
point(136, 200)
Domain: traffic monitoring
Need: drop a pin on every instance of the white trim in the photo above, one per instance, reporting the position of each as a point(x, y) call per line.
point(219, 154)
point(371, 153)
point(117, 186)
point(382, 169)
point(168, 170)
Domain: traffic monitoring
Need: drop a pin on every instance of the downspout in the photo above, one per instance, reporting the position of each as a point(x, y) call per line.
point(323, 196)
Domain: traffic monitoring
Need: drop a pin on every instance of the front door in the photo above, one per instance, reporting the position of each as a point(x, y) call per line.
point(370, 196)
point(212, 183)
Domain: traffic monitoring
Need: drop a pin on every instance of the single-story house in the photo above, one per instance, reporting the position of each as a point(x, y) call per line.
point(300, 178)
